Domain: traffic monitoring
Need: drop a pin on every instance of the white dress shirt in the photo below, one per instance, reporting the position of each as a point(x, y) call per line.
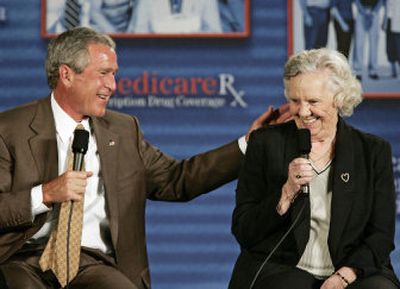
point(95, 231)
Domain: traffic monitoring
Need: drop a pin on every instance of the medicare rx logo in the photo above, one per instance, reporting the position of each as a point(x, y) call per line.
point(151, 90)
point(227, 87)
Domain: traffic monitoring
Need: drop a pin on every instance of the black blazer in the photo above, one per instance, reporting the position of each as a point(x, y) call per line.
point(363, 205)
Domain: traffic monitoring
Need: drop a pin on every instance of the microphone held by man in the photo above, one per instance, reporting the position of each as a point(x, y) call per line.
point(79, 147)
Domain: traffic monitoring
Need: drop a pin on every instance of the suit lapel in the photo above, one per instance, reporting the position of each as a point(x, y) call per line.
point(108, 145)
point(343, 185)
point(43, 143)
point(43, 148)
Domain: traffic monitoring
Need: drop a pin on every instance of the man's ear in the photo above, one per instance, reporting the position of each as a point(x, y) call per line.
point(66, 75)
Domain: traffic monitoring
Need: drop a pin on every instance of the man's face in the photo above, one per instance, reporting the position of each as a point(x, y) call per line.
point(90, 91)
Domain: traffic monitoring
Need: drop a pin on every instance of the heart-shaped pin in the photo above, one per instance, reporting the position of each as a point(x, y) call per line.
point(345, 177)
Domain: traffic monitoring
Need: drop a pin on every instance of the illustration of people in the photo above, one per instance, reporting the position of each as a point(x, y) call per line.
point(343, 22)
point(65, 15)
point(178, 16)
point(113, 16)
point(316, 17)
point(231, 13)
point(367, 25)
point(391, 25)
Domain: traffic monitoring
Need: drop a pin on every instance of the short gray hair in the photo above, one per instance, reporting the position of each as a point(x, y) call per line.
point(71, 48)
point(347, 89)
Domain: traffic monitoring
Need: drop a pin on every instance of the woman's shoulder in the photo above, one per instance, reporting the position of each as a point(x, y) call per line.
point(365, 138)
point(272, 132)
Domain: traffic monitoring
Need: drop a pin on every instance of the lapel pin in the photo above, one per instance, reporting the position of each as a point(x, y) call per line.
point(111, 143)
point(345, 177)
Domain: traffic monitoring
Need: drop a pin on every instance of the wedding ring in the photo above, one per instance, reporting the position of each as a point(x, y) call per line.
point(298, 176)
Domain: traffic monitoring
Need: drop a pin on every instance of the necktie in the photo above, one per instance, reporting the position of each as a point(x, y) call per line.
point(62, 252)
point(229, 18)
point(176, 6)
point(72, 13)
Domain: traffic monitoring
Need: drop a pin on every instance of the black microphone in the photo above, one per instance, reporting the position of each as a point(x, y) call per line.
point(304, 145)
point(79, 147)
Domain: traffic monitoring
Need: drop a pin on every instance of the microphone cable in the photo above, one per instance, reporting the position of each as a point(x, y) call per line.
point(3, 282)
point(277, 245)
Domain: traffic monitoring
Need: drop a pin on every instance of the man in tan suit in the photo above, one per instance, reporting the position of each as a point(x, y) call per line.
point(122, 171)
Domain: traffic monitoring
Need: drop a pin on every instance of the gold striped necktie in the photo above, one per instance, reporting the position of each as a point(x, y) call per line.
point(62, 252)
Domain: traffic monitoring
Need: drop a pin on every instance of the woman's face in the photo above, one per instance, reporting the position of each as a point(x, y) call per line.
point(311, 103)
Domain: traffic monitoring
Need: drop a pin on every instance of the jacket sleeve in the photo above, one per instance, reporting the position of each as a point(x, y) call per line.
point(15, 206)
point(255, 216)
point(181, 180)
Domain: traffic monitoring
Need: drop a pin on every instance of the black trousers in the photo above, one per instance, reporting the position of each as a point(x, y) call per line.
point(392, 44)
point(277, 276)
point(343, 38)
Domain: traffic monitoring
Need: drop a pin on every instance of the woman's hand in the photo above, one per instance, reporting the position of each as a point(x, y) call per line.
point(340, 279)
point(300, 172)
point(334, 282)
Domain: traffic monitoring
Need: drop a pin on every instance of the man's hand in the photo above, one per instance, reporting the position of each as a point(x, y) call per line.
point(69, 186)
point(271, 116)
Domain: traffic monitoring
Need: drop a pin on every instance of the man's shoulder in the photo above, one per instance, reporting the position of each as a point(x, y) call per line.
point(119, 119)
point(22, 112)
point(116, 116)
point(359, 136)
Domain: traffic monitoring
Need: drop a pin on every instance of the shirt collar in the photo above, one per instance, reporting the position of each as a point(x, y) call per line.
point(65, 125)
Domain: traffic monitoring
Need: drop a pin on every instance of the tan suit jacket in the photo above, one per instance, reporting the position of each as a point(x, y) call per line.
point(132, 169)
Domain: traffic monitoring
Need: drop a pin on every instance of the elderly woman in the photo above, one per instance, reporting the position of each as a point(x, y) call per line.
point(341, 233)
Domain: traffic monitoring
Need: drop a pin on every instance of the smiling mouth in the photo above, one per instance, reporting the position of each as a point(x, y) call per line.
point(309, 121)
point(103, 97)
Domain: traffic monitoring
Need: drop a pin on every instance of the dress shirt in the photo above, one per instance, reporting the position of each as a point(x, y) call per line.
point(242, 144)
point(95, 231)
